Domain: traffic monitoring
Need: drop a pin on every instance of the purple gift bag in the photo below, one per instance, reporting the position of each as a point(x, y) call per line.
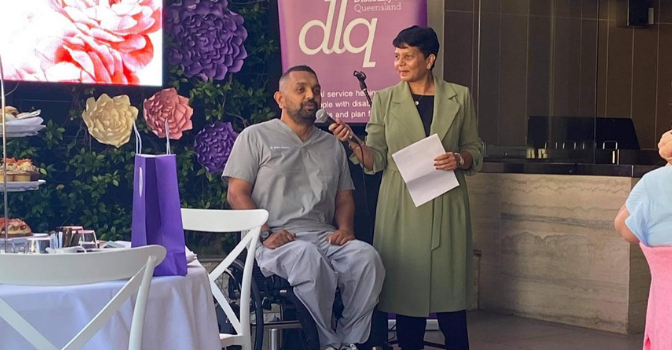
point(157, 217)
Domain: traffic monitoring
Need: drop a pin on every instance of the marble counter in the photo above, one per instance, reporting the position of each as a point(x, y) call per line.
point(521, 166)
point(549, 250)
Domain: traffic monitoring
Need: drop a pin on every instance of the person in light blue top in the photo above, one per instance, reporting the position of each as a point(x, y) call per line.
point(650, 209)
point(646, 215)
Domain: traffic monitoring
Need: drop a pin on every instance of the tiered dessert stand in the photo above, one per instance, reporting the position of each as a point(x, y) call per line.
point(12, 132)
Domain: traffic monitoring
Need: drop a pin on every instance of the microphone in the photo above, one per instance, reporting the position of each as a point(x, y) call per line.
point(323, 117)
point(361, 76)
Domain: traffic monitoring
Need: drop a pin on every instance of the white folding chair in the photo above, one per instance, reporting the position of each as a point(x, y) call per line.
point(83, 268)
point(220, 221)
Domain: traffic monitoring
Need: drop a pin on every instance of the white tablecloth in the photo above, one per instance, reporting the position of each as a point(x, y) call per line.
point(180, 314)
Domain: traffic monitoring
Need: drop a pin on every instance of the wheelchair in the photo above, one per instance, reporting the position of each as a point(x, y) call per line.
point(294, 323)
point(291, 326)
point(291, 321)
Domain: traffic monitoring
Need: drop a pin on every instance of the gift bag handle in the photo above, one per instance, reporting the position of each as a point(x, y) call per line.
point(138, 139)
point(167, 138)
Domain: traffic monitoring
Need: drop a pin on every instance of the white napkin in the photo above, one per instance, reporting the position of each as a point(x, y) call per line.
point(26, 115)
point(25, 121)
point(116, 244)
point(191, 256)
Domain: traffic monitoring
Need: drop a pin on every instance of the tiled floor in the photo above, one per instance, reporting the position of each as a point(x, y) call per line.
point(490, 331)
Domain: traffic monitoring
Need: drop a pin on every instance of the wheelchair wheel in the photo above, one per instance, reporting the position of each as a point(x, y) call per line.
point(231, 290)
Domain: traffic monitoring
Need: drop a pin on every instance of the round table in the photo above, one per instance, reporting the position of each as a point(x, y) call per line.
point(180, 313)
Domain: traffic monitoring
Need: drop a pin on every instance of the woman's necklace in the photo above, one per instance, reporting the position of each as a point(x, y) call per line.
point(417, 102)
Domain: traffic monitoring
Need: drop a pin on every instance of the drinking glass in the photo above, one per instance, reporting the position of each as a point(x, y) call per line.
point(87, 239)
point(20, 246)
point(6, 246)
point(37, 245)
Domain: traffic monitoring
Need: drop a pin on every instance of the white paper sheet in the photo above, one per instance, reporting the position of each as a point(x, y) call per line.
point(416, 165)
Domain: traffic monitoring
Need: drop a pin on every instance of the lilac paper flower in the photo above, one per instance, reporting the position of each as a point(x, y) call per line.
point(213, 145)
point(208, 36)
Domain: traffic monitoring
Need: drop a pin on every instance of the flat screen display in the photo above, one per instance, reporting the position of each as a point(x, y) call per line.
point(117, 42)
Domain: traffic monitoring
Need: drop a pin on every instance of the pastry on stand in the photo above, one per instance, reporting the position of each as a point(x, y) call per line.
point(17, 228)
point(21, 170)
point(25, 171)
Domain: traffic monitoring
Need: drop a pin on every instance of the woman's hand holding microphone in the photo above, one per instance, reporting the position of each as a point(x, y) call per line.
point(341, 130)
point(344, 133)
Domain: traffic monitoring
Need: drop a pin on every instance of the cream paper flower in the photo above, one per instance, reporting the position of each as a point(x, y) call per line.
point(110, 120)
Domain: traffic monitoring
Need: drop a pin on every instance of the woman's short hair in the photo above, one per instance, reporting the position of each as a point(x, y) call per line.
point(424, 38)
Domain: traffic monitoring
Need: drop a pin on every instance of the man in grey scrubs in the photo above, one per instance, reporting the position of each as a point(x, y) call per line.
point(300, 174)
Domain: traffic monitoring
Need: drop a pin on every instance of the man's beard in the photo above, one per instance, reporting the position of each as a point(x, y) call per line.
point(303, 116)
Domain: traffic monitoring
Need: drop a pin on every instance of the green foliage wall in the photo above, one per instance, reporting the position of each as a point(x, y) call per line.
point(91, 184)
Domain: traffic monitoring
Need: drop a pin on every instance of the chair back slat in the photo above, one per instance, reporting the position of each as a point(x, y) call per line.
point(221, 221)
point(75, 268)
point(83, 268)
point(215, 220)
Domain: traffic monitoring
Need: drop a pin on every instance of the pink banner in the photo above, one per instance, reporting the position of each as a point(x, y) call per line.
point(337, 37)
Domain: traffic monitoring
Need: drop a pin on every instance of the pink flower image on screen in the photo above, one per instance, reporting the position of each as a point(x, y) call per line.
point(84, 41)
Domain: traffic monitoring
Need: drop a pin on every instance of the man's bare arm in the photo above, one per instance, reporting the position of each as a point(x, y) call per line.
point(239, 196)
point(344, 217)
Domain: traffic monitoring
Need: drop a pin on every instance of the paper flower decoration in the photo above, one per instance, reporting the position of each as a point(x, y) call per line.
point(110, 120)
point(208, 38)
point(213, 146)
point(168, 105)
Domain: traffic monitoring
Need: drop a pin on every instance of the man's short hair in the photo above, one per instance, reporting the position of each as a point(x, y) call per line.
point(299, 68)
point(424, 38)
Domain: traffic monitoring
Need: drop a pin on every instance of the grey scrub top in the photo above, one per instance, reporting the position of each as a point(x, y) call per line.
point(295, 181)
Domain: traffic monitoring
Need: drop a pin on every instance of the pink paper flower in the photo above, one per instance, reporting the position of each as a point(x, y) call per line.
point(168, 105)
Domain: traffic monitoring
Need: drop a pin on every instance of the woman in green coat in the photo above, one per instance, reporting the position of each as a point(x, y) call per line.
point(426, 250)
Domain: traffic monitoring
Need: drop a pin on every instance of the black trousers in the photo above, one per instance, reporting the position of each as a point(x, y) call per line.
point(453, 325)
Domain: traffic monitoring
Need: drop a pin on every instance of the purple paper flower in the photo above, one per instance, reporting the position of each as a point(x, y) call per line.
point(208, 36)
point(213, 145)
